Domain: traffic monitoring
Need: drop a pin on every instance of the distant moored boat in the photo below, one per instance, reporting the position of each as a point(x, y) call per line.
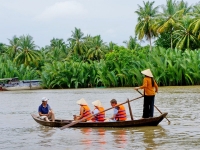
point(13, 84)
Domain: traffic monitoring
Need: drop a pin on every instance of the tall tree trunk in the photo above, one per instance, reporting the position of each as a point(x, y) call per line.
point(150, 43)
point(171, 39)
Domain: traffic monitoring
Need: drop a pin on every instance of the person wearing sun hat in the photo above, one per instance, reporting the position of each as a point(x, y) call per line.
point(84, 110)
point(150, 89)
point(100, 117)
point(45, 111)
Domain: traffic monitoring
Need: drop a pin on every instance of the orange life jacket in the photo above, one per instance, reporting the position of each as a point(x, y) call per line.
point(121, 115)
point(86, 111)
point(101, 116)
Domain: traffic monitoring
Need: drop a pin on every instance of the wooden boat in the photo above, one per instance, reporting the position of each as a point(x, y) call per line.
point(131, 123)
point(13, 84)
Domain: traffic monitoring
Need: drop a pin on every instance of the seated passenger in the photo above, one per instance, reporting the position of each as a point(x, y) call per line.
point(84, 110)
point(98, 108)
point(119, 111)
point(45, 111)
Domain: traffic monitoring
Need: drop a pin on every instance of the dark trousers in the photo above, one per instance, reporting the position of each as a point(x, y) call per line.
point(148, 107)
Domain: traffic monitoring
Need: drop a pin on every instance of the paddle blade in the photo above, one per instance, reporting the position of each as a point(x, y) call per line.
point(69, 125)
point(75, 122)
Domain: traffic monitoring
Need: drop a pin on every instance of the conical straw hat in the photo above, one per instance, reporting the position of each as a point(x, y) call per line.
point(97, 103)
point(81, 102)
point(147, 72)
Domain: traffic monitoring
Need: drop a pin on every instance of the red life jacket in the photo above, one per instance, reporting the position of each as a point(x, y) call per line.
point(86, 111)
point(101, 116)
point(121, 115)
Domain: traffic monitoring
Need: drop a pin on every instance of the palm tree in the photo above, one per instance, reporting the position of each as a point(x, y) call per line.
point(3, 48)
point(88, 40)
point(195, 25)
point(14, 46)
point(146, 18)
point(58, 43)
point(98, 49)
point(163, 40)
point(181, 5)
point(27, 51)
point(196, 8)
point(76, 41)
point(132, 43)
point(184, 38)
point(57, 49)
point(111, 46)
point(168, 18)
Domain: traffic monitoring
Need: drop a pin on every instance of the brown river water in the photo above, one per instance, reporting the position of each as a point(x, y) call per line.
point(19, 131)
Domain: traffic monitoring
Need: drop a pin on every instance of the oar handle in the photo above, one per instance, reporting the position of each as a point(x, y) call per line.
point(139, 92)
point(75, 122)
point(161, 112)
point(155, 107)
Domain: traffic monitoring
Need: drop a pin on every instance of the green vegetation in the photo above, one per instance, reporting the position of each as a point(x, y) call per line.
point(86, 61)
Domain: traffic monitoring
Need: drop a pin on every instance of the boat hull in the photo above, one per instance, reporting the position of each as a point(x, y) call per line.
point(16, 88)
point(131, 123)
point(22, 85)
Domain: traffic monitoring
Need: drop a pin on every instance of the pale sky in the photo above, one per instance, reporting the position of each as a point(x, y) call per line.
point(44, 20)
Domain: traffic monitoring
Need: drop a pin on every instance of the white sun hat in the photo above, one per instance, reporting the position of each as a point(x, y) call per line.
point(147, 72)
point(44, 99)
point(81, 102)
point(97, 103)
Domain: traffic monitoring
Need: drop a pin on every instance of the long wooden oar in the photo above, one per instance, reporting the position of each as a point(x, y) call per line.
point(155, 107)
point(75, 122)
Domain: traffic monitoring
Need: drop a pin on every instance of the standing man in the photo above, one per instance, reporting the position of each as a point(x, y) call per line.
point(45, 111)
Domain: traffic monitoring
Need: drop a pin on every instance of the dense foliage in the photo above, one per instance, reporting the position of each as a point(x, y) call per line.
point(86, 61)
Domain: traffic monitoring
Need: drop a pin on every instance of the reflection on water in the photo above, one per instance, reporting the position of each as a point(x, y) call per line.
point(19, 131)
point(120, 138)
point(148, 138)
point(150, 134)
point(46, 135)
point(101, 133)
point(45, 131)
point(86, 140)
